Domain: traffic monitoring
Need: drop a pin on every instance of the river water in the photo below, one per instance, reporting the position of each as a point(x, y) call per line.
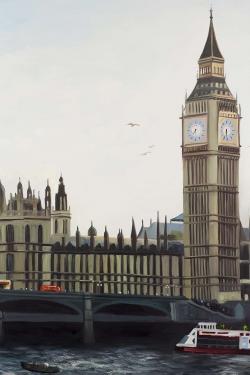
point(121, 359)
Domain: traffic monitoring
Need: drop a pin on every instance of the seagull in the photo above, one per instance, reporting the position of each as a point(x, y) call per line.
point(145, 153)
point(132, 124)
point(151, 146)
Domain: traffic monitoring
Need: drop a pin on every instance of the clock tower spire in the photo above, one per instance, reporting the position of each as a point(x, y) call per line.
point(210, 151)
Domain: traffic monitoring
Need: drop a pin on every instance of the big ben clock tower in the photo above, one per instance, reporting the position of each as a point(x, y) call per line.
point(211, 150)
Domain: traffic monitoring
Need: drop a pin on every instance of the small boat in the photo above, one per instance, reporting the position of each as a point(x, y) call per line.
point(40, 367)
point(206, 338)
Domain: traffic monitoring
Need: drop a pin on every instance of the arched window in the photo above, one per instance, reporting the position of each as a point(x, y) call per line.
point(40, 234)
point(10, 263)
point(56, 226)
point(10, 236)
point(27, 234)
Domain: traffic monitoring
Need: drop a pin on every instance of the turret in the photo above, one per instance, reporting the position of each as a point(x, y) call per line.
point(61, 215)
point(47, 198)
point(20, 188)
point(61, 197)
point(92, 233)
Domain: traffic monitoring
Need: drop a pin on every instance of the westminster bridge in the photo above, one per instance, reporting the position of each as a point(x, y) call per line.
point(99, 286)
point(86, 311)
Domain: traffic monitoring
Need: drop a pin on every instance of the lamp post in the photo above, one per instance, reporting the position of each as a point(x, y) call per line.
point(167, 287)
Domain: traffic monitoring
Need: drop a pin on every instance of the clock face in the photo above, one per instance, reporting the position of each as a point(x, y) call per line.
point(227, 130)
point(196, 130)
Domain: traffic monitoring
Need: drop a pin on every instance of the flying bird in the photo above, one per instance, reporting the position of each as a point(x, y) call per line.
point(151, 146)
point(145, 153)
point(132, 124)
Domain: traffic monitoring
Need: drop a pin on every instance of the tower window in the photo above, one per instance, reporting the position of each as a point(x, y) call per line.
point(56, 226)
point(10, 263)
point(40, 234)
point(27, 234)
point(10, 236)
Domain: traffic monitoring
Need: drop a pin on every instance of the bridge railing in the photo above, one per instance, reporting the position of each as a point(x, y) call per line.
point(94, 283)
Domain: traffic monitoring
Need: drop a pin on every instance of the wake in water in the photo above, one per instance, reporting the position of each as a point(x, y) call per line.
point(115, 360)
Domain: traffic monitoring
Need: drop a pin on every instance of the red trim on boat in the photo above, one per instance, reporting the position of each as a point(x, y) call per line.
point(212, 350)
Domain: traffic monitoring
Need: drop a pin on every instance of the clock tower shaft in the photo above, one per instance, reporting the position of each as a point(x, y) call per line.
point(211, 150)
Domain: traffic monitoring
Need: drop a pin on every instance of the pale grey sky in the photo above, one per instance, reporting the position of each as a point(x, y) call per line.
point(74, 72)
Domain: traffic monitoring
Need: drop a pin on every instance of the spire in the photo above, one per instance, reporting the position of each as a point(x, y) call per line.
point(141, 231)
point(29, 191)
point(211, 80)
point(47, 198)
point(20, 188)
point(133, 236)
point(77, 237)
point(165, 234)
point(106, 239)
point(211, 48)
point(145, 240)
point(158, 231)
point(92, 233)
point(120, 240)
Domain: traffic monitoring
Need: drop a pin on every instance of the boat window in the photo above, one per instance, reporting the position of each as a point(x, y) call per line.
point(193, 333)
point(193, 340)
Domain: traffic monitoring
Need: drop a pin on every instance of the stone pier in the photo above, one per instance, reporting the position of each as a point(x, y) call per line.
point(88, 327)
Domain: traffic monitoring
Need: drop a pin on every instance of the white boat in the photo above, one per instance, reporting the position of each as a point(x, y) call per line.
point(207, 338)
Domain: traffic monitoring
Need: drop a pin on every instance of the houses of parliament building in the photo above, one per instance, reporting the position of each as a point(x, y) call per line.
point(37, 246)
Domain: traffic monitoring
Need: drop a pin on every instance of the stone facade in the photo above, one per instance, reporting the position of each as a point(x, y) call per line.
point(124, 271)
point(24, 222)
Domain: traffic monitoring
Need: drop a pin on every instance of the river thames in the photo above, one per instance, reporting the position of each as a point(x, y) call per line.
point(120, 359)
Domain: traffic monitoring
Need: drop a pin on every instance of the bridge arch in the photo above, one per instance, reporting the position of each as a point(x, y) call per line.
point(131, 308)
point(36, 305)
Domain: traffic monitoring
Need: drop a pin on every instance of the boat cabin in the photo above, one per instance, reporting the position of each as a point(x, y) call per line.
point(207, 325)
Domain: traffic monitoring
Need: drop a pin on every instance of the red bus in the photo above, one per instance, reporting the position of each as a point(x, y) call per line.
point(50, 288)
